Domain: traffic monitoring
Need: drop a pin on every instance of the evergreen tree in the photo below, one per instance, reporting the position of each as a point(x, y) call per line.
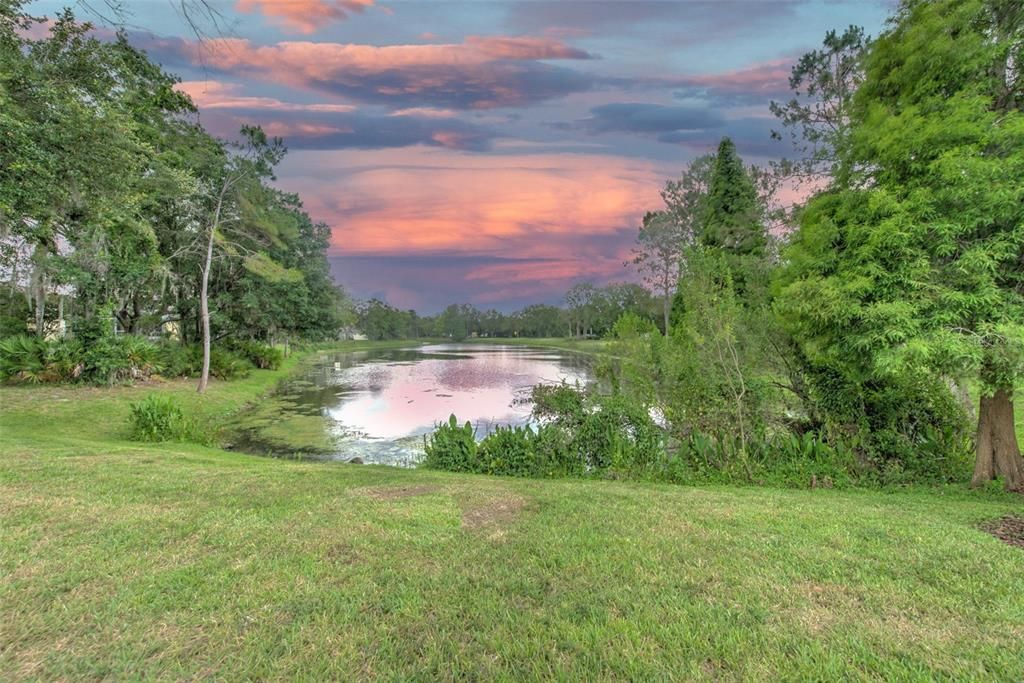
point(731, 219)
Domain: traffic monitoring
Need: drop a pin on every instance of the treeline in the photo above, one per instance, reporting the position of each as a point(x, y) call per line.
point(845, 348)
point(590, 311)
point(120, 216)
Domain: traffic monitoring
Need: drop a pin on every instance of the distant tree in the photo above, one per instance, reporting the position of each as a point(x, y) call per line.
point(580, 300)
point(378, 320)
point(658, 255)
point(539, 320)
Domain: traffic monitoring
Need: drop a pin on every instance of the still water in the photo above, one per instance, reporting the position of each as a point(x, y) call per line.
point(377, 405)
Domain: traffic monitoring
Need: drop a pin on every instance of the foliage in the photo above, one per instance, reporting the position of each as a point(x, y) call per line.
point(110, 360)
point(451, 447)
point(579, 434)
point(124, 358)
point(124, 223)
point(23, 359)
point(731, 216)
point(261, 356)
point(527, 452)
point(824, 82)
point(907, 269)
point(786, 460)
point(160, 418)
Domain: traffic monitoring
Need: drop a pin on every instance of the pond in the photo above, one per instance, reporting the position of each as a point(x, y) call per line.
point(377, 405)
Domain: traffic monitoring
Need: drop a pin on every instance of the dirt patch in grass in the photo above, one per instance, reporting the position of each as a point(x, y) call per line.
point(397, 492)
point(1008, 529)
point(341, 553)
point(491, 513)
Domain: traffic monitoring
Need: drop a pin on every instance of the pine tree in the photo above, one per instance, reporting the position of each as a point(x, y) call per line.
point(731, 219)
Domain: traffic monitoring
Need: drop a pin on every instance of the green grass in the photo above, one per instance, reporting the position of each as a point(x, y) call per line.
point(130, 561)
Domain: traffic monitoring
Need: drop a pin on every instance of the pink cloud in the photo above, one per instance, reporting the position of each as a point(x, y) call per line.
point(285, 129)
point(425, 112)
point(480, 72)
point(220, 95)
point(305, 16)
point(766, 77)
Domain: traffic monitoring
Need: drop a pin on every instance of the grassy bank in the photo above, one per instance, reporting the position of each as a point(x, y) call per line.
point(123, 560)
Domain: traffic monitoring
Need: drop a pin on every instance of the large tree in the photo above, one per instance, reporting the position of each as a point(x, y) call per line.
point(913, 261)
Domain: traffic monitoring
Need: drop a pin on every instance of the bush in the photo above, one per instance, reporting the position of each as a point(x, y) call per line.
point(451, 448)
point(109, 360)
point(179, 360)
point(160, 418)
point(23, 359)
point(583, 435)
point(508, 451)
point(224, 364)
point(262, 356)
point(615, 433)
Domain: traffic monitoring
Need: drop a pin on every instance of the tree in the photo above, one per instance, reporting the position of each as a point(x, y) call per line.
point(911, 263)
point(580, 299)
point(659, 256)
point(731, 216)
point(234, 220)
point(826, 79)
point(68, 91)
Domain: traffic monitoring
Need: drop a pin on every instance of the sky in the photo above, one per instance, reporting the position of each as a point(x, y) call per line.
point(489, 152)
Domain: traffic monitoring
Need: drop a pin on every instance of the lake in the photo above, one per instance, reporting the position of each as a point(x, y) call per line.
point(377, 405)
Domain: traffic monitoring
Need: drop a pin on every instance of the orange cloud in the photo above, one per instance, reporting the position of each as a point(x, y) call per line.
point(529, 206)
point(304, 16)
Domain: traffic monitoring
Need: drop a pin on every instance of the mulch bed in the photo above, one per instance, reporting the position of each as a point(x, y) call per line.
point(1008, 529)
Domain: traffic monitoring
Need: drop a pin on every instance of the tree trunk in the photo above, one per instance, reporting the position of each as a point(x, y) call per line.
point(665, 305)
point(204, 314)
point(39, 285)
point(998, 453)
point(204, 290)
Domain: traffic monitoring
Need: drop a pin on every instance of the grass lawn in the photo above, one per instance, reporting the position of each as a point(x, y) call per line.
point(127, 561)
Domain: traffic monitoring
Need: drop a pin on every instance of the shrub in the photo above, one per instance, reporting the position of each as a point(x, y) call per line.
point(581, 435)
point(23, 359)
point(603, 432)
point(33, 360)
point(160, 418)
point(262, 356)
point(109, 360)
point(616, 433)
point(179, 360)
point(224, 364)
point(451, 447)
point(65, 360)
point(557, 401)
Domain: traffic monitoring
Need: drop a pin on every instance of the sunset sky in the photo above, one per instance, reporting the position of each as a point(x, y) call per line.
point(490, 152)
